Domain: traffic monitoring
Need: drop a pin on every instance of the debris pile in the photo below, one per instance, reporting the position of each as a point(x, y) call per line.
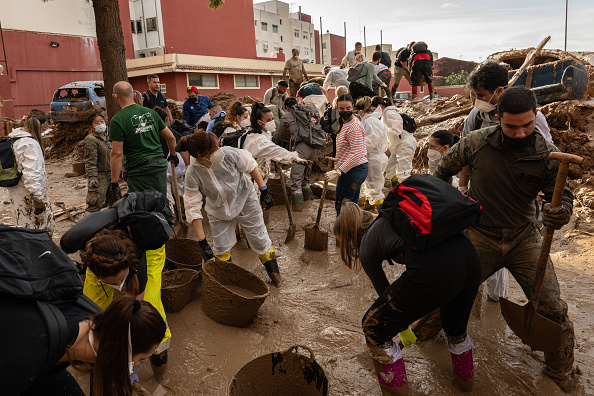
point(66, 139)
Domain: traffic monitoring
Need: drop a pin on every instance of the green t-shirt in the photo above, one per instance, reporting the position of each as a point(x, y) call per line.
point(138, 127)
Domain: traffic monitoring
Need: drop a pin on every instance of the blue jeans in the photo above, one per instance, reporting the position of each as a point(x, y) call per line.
point(348, 185)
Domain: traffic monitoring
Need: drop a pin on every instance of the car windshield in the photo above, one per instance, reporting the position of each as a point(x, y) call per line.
point(71, 94)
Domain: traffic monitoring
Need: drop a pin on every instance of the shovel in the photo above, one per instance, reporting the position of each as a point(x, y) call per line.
point(316, 239)
point(291, 230)
point(535, 330)
point(183, 226)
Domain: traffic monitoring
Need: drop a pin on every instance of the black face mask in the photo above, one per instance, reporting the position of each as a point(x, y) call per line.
point(519, 143)
point(345, 115)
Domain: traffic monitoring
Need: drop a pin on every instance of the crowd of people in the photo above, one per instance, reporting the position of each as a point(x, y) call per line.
point(222, 159)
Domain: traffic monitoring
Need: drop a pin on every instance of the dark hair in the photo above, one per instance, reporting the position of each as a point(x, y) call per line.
point(202, 125)
point(378, 100)
point(235, 110)
point(378, 47)
point(110, 328)
point(444, 137)
point(258, 111)
point(376, 56)
point(33, 126)
point(150, 77)
point(282, 83)
point(490, 75)
point(516, 100)
point(198, 144)
point(108, 253)
point(92, 117)
point(160, 112)
point(345, 97)
point(290, 102)
point(358, 43)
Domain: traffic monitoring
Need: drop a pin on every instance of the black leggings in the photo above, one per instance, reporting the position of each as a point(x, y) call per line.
point(59, 384)
point(359, 90)
point(446, 276)
point(422, 67)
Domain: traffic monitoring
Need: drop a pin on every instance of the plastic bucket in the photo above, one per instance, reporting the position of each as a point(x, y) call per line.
point(231, 295)
point(179, 288)
point(280, 374)
point(183, 253)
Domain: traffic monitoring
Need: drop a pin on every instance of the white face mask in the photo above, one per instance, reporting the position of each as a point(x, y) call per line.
point(433, 155)
point(218, 156)
point(270, 126)
point(116, 287)
point(485, 106)
point(100, 128)
point(245, 123)
point(91, 341)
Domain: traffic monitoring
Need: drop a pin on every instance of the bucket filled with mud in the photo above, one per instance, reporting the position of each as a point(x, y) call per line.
point(231, 295)
point(280, 374)
point(183, 253)
point(179, 288)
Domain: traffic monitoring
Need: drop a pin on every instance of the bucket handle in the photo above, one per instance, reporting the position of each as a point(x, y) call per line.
point(294, 349)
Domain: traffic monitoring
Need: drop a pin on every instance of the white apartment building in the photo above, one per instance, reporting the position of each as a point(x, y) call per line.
point(276, 27)
point(147, 28)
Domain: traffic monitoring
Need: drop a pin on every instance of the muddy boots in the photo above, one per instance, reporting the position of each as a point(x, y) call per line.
point(159, 366)
point(390, 370)
point(462, 364)
point(297, 202)
point(269, 261)
point(562, 371)
point(307, 195)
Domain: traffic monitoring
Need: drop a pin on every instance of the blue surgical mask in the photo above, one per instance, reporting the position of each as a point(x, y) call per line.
point(100, 128)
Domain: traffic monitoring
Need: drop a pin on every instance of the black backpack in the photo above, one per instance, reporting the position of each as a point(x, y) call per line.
point(408, 123)
point(424, 211)
point(310, 129)
point(327, 120)
point(219, 126)
point(235, 139)
point(355, 72)
point(34, 268)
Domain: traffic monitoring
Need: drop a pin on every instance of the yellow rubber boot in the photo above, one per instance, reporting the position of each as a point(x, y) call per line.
point(225, 256)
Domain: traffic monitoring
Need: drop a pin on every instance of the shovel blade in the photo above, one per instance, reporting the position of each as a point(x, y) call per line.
point(534, 330)
point(315, 239)
point(290, 233)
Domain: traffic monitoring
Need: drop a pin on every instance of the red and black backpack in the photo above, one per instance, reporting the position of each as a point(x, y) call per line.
point(424, 210)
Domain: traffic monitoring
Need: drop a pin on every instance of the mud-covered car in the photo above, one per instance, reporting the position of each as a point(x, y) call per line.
point(74, 102)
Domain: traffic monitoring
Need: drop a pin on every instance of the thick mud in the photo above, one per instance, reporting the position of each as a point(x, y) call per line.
point(321, 304)
point(178, 288)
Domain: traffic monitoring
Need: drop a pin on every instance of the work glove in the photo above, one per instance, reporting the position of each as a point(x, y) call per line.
point(332, 175)
point(115, 191)
point(266, 198)
point(408, 337)
point(93, 182)
point(302, 161)
point(174, 159)
point(38, 206)
point(555, 217)
point(205, 249)
point(463, 189)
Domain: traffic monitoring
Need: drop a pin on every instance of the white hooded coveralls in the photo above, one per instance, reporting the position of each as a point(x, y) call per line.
point(229, 197)
point(33, 184)
point(402, 145)
point(376, 141)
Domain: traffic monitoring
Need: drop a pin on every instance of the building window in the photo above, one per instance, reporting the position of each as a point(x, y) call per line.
point(304, 35)
point(246, 81)
point(296, 33)
point(264, 26)
point(141, 55)
point(153, 53)
point(275, 47)
point(133, 26)
point(324, 45)
point(275, 80)
point(255, 23)
point(274, 28)
point(305, 51)
point(139, 26)
point(422, 89)
point(203, 80)
point(151, 24)
point(265, 46)
point(163, 88)
point(280, 22)
point(281, 39)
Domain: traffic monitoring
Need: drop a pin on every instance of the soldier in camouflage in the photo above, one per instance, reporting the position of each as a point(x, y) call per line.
point(509, 165)
point(97, 165)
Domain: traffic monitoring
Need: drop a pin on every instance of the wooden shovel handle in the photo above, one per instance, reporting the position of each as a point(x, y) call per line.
point(279, 168)
point(545, 249)
point(332, 160)
point(176, 192)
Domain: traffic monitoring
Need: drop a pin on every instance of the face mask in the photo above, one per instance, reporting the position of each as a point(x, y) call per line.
point(130, 357)
point(485, 106)
point(218, 156)
point(345, 115)
point(91, 341)
point(245, 123)
point(519, 143)
point(100, 128)
point(433, 155)
point(270, 126)
point(116, 287)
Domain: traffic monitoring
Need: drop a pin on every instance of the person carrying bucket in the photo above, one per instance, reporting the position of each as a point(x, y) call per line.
point(445, 276)
point(217, 178)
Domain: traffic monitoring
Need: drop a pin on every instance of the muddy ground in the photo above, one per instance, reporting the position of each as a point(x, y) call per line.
point(321, 303)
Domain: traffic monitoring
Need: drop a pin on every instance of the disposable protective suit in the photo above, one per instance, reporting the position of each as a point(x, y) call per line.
point(402, 145)
point(376, 140)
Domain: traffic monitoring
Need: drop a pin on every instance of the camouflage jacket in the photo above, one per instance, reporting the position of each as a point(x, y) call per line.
point(97, 151)
point(505, 181)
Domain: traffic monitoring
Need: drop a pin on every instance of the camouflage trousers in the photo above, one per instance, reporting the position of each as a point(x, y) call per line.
point(96, 196)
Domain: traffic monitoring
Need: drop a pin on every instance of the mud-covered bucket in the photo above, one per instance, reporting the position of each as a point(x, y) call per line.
point(231, 295)
point(280, 374)
point(179, 288)
point(183, 253)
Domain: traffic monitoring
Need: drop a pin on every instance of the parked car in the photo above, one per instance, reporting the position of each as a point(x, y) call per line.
point(74, 102)
point(437, 96)
point(402, 95)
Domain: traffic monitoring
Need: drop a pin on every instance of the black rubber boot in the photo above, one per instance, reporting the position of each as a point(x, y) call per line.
point(273, 272)
point(159, 366)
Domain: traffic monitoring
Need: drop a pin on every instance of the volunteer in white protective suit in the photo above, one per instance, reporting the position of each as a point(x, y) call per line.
point(376, 141)
point(29, 200)
point(401, 144)
point(217, 178)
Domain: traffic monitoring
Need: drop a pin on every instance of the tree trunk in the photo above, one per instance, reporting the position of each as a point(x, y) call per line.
point(112, 51)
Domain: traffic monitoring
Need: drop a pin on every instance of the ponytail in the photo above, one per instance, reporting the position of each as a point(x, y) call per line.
point(258, 111)
point(349, 228)
point(198, 144)
point(33, 126)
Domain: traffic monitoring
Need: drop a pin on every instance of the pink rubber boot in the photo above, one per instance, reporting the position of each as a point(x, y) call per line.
point(463, 365)
point(390, 370)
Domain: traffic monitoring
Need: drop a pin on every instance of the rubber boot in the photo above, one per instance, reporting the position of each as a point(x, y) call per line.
point(431, 91)
point(462, 364)
point(378, 203)
point(307, 195)
point(269, 261)
point(225, 256)
point(390, 370)
point(394, 181)
point(159, 366)
point(297, 202)
point(562, 371)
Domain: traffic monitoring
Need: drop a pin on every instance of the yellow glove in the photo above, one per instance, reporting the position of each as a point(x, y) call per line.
point(407, 337)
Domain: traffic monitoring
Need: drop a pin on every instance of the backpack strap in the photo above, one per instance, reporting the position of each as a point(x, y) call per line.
point(57, 331)
point(478, 122)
